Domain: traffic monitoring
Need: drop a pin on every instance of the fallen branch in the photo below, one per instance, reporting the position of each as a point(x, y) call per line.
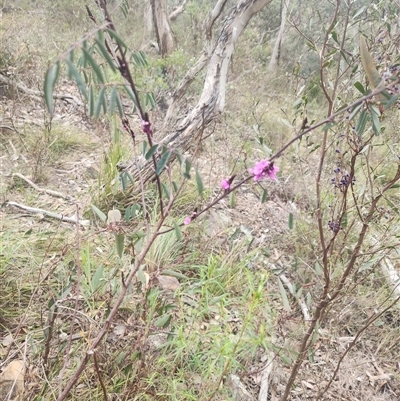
point(57, 216)
point(265, 373)
point(39, 94)
point(300, 300)
point(43, 190)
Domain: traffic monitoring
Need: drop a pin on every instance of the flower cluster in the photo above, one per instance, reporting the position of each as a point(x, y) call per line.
point(334, 226)
point(146, 127)
point(342, 179)
point(264, 168)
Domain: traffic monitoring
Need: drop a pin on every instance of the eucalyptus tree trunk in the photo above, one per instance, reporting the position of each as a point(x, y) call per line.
point(276, 53)
point(162, 26)
point(181, 134)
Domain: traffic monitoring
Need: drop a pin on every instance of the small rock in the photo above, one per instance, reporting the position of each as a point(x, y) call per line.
point(12, 380)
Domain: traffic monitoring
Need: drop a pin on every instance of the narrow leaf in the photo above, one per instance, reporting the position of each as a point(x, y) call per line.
point(99, 213)
point(75, 74)
point(199, 182)
point(49, 84)
point(151, 152)
point(359, 86)
point(119, 241)
point(101, 103)
point(115, 36)
point(284, 296)
point(264, 195)
point(361, 122)
point(94, 65)
point(291, 220)
point(113, 100)
point(106, 54)
point(178, 234)
point(163, 321)
point(166, 191)
point(376, 124)
point(162, 162)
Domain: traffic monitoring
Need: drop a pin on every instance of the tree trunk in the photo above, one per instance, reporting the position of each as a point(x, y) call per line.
point(162, 27)
point(181, 135)
point(276, 53)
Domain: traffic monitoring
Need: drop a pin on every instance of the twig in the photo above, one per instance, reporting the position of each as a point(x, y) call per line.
point(57, 216)
point(300, 300)
point(97, 368)
point(47, 191)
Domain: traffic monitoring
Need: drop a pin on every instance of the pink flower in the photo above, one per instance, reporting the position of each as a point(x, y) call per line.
point(146, 127)
point(264, 168)
point(187, 221)
point(225, 184)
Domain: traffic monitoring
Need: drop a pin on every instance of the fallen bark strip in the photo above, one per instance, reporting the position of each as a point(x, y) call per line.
point(300, 300)
point(39, 94)
point(43, 190)
point(57, 216)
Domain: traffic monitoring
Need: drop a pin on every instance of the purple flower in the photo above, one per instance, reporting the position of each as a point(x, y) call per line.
point(146, 127)
point(187, 221)
point(264, 168)
point(225, 184)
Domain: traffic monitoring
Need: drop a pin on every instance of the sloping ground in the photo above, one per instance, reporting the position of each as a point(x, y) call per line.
point(67, 159)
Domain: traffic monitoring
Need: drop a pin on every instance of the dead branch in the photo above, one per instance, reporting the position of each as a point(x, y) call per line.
point(57, 216)
point(43, 190)
point(39, 94)
point(213, 16)
point(178, 11)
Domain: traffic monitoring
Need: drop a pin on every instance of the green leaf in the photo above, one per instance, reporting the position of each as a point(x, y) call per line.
point(113, 100)
point(166, 191)
point(74, 73)
point(355, 111)
point(98, 276)
point(151, 152)
point(343, 221)
point(359, 86)
point(151, 100)
point(96, 68)
point(334, 36)
point(49, 84)
point(144, 147)
point(163, 321)
point(392, 100)
point(264, 195)
point(162, 162)
point(105, 54)
point(99, 213)
point(285, 300)
point(131, 94)
point(101, 103)
point(91, 102)
point(173, 273)
point(376, 124)
point(115, 36)
point(188, 166)
point(232, 199)
point(178, 234)
point(291, 220)
point(199, 182)
point(361, 122)
point(119, 241)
